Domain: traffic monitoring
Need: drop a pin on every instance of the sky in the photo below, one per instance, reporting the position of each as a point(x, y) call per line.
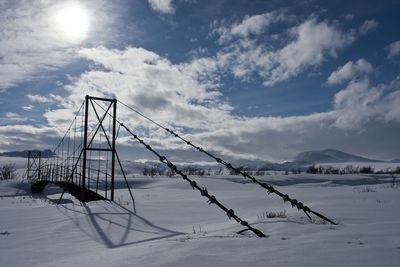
point(246, 79)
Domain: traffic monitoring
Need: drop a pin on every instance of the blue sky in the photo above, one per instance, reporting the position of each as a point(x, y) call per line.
point(252, 79)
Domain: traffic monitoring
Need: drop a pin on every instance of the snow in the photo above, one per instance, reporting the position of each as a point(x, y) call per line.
point(174, 226)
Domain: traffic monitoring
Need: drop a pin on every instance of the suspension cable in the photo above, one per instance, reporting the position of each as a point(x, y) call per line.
point(69, 128)
point(203, 191)
point(270, 189)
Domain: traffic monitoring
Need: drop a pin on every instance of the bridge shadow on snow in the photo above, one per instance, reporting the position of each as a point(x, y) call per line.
point(113, 224)
point(107, 222)
point(23, 189)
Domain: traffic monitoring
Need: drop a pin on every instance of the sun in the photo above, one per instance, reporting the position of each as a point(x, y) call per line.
point(73, 21)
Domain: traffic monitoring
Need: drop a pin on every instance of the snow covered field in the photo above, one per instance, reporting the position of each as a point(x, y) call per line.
point(174, 226)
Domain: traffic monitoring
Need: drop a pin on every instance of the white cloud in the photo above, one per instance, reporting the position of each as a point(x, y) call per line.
point(392, 106)
point(38, 98)
point(32, 44)
point(28, 107)
point(14, 117)
point(303, 46)
point(350, 71)
point(358, 103)
point(29, 44)
point(162, 6)
point(255, 24)
point(23, 137)
point(394, 49)
point(171, 92)
point(175, 95)
point(368, 26)
point(313, 42)
point(361, 112)
point(51, 98)
point(361, 102)
point(186, 96)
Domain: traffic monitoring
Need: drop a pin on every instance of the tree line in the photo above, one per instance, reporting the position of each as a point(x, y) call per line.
point(350, 169)
point(313, 169)
point(8, 172)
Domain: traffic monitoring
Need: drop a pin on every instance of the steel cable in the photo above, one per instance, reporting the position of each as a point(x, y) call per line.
point(270, 189)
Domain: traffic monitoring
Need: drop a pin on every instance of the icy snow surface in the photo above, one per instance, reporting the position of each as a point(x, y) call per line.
point(174, 226)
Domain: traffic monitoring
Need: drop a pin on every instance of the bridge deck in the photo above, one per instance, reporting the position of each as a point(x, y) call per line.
point(82, 194)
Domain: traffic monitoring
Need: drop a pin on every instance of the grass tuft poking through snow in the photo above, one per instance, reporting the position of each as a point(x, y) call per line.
point(272, 214)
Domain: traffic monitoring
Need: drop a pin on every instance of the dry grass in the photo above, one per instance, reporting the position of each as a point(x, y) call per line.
point(272, 214)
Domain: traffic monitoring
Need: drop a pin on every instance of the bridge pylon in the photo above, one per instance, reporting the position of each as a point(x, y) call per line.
point(95, 116)
point(34, 165)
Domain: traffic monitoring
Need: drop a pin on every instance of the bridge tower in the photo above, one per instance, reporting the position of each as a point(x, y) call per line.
point(97, 110)
point(34, 165)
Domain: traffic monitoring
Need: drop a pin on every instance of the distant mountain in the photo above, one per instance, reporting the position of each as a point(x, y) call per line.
point(395, 160)
point(330, 156)
point(24, 154)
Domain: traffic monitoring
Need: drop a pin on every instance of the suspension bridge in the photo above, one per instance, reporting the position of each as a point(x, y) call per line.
point(85, 161)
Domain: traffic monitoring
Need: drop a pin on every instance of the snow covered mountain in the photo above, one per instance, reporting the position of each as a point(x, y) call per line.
point(24, 154)
point(302, 161)
point(330, 156)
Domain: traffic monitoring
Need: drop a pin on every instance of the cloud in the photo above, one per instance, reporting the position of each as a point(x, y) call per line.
point(186, 96)
point(255, 24)
point(29, 44)
point(28, 107)
point(348, 17)
point(358, 103)
point(52, 98)
point(392, 105)
point(248, 54)
point(313, 42)
point(361, 102)
point(38, 98)
point(32, 43)
point(171, 92)
point(162, 6)
point(175, 95)
point(350, 71)
point(361, 112)
point(23, 137)
point(393, 49)
point(368, 26)
point(14, 117)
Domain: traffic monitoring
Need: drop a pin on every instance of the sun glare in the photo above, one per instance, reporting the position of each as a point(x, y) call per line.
point(73, 21)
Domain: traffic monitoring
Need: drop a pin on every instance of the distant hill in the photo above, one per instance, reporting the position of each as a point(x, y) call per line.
point(24, 154)
point(330, 156)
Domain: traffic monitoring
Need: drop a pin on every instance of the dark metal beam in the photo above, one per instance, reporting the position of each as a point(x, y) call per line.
point(85, 143)
point(113, 149)
point(99, 149)
point(101, 98)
